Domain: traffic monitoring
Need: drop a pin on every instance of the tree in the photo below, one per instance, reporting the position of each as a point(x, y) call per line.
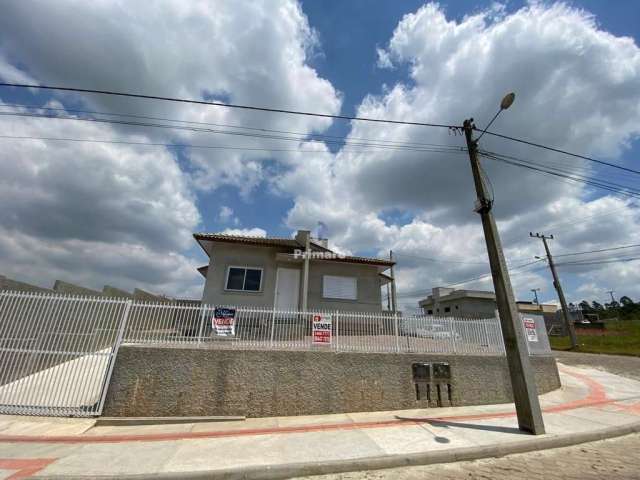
point(612, 305)
point(585, 306)
point(626, 301)
point(597, 306)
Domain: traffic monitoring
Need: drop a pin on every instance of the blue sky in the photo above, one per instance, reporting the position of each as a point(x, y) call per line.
point(371, 203)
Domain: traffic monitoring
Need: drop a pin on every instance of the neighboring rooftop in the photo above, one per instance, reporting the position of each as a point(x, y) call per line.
point(447, 294)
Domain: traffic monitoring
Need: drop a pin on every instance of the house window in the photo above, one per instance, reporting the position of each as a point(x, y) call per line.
point(343, 288)
point(244, 279)
point(429, 312)
point(447, 309)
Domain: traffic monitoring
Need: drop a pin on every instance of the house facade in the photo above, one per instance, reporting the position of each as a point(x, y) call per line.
point(474, 303)
point(289, 274)
point(459, 303)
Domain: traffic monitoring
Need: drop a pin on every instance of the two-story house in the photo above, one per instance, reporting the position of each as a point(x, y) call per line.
point(289, 274)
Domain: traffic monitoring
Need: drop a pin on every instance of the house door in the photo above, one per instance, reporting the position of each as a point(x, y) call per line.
point(287, 289)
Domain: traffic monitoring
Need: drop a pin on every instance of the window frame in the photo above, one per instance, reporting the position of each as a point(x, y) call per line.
point(244, 278)
point(340, 299)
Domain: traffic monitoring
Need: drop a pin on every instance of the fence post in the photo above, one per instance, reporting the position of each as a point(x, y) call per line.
point(114, 354)
point(273, 325)
point(454, 333)
point(201, 329)
point(395, 318)
point(337, 315)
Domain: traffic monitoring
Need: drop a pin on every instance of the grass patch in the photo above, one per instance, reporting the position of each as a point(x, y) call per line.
point(620, 338)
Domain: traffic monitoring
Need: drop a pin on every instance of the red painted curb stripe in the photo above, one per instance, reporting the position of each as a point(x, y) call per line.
point(25, 466)
point(596, 396)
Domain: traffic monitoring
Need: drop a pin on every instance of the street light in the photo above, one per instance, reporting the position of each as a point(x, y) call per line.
point(506, 102)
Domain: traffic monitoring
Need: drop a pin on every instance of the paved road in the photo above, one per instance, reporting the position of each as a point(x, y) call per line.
point(617, 364)
point(614, 459)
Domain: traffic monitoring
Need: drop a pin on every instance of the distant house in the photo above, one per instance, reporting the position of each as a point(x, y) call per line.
point(460, 303)
point(289, 274)
point(474, 303)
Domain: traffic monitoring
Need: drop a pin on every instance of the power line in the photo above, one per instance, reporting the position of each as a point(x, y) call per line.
point(598, 262)
point(473, 279)
point(429, 259)
point(220, 104)
point(597, 251)
point(625, 191)
point(563, 169)
point(190, 145)
point(557, 150)
point(211, 124)
point(381, 146)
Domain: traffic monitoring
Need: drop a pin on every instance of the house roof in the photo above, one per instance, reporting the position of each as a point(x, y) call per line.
point(458, 294)
point(283, 242)
point(203, 270)
point(265, 241)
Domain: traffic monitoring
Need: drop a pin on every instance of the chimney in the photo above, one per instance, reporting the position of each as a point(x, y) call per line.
point(302, 236)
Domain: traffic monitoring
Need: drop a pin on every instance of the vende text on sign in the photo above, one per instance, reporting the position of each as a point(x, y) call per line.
point(530, 329)
point(321, 331)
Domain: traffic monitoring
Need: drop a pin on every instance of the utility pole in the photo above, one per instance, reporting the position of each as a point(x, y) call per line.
point(394, 298)
point(535, 293)
point(556, 283)
point(610, 292)
point(522, 379)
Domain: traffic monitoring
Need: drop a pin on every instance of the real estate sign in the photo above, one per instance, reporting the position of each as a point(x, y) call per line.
point(321, 330)
point(224, 321)
point(530, 329)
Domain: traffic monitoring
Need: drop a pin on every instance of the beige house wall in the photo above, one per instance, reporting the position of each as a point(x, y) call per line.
point(222, 256)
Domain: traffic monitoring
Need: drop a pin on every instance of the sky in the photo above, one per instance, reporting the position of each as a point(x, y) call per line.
point(121, 209)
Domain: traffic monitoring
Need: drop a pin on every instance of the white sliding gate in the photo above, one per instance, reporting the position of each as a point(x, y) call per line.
point(57, 352)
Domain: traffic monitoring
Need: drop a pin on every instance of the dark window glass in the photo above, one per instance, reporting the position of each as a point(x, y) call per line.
point(235, 279)
point(447, 309)
point(429, 312)
point(252, 280)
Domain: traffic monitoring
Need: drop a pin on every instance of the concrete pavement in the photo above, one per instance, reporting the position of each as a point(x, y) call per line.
point(591, 405)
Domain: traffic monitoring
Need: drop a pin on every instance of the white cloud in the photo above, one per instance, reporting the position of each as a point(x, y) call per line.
point(577, 87)
point(133, 205)
point(225, 215)
point(245, 53)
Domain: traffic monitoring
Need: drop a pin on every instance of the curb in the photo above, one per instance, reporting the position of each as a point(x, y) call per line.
point(133, 421)
point(274, 472)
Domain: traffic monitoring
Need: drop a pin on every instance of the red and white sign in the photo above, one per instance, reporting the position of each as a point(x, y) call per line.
point(321, 329)
point(530, 329)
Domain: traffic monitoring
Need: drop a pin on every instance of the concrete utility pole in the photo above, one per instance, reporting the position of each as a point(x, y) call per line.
point(394, 298)
point(556, 283)
point(523, 382)
point(535, 293)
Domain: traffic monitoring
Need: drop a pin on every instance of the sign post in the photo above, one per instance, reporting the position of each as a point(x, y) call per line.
point(321, 331)
point(224, 322)
point(530, 329)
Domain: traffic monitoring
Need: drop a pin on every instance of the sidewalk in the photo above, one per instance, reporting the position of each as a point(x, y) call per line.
point(591, 405)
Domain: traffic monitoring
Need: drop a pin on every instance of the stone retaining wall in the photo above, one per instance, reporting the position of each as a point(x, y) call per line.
point(152, 381)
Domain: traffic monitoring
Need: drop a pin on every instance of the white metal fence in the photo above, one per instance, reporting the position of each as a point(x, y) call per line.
point(261, 328)
point(57, 351)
